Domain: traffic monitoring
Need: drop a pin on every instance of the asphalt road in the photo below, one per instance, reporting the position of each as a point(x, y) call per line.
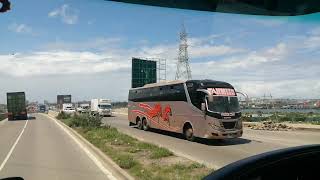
point(218, 154)
point(43, 151)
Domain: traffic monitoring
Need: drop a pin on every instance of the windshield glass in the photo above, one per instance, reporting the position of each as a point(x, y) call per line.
point(104, 106)
point(223, 104)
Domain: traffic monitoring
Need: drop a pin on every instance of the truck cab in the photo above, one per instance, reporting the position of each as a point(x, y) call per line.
point(101, 107)
point(68, 108)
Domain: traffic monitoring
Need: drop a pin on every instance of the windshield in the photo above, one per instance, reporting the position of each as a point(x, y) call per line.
point(104, 106)
point(223, 104)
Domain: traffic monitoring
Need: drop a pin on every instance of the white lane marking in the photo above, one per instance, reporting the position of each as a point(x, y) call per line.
point(12, 148)
point(89, 154)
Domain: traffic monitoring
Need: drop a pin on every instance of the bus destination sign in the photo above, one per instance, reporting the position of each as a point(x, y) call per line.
point(222, 91)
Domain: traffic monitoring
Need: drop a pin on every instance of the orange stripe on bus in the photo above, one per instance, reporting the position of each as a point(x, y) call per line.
point(155, 121)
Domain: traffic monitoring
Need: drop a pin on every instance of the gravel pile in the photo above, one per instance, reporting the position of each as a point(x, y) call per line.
point(270, 126)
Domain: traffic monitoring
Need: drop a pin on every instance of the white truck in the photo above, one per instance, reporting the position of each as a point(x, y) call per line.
point(83, 108)
point(101, 107)
point(68, 108)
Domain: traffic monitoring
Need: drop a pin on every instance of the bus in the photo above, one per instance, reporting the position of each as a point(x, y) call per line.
point(196, 108)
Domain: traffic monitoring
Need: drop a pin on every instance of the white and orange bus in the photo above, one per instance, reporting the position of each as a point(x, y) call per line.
point(196, 108)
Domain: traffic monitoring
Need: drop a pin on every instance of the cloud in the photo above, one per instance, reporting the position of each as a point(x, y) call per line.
point(59, 63)
point(67, 14)
point(20, 28)
point(279, 69)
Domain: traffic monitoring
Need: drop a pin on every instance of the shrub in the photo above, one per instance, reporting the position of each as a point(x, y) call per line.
point(63, 115)
point(85, 121)
point(284, 118)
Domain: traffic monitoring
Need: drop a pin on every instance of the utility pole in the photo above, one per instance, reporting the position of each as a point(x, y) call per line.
point(183, 67)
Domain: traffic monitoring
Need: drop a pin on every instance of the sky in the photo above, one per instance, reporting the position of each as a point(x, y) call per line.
point(84, 48)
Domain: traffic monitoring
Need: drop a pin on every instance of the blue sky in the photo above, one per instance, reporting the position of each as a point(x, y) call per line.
point(81, 47)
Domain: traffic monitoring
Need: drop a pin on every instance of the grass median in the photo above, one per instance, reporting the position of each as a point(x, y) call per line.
point(142, 160)
point(279, 117)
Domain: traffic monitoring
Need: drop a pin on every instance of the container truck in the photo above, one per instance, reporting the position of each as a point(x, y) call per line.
point(101, 107)
point(16, 105)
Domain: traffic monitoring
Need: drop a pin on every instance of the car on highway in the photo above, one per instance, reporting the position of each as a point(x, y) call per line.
point(83, 108)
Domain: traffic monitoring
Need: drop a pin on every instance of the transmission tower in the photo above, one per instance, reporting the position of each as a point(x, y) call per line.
point(183, 67)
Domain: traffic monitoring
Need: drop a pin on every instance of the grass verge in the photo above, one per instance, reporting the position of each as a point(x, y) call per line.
point(142, 160)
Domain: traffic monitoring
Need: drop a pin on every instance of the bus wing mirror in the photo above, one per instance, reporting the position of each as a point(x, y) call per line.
point(203, 106)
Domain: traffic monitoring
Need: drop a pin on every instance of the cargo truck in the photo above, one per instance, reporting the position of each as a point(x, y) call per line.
point(101, 107)
point(42, 108)
point(16, 105)
point(68, 108)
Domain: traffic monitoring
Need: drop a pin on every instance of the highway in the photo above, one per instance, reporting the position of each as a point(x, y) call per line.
point(40, 149)
point(218, 154)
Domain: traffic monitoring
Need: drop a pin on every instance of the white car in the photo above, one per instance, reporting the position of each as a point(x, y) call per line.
point(69, 110)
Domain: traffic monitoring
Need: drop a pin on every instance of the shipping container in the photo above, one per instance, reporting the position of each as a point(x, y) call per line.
point(16, 105)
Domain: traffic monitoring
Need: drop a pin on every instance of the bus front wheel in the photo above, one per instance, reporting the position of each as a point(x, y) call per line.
point(188, 133)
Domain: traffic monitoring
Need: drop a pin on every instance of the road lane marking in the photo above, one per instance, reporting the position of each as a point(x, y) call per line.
point(13, 147)
point(89, 154)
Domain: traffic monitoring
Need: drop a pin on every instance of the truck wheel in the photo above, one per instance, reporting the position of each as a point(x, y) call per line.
point(188, 133)
point(139, 124)
point(145, 124)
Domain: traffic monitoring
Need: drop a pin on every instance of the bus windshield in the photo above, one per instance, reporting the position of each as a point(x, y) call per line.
point(223, 104)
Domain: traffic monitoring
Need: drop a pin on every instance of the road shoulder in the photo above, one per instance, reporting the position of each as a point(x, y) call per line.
point(105, 161)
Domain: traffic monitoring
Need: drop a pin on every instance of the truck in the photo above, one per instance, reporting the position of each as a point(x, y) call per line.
point(83, 108)
point(68, 108)
point(42, 108)
point(16, 105)
point(101, 107)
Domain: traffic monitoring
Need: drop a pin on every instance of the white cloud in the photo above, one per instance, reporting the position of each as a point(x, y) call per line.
point(276, 69)
point(67, 14)
point(20, 28)
point(59, 63)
